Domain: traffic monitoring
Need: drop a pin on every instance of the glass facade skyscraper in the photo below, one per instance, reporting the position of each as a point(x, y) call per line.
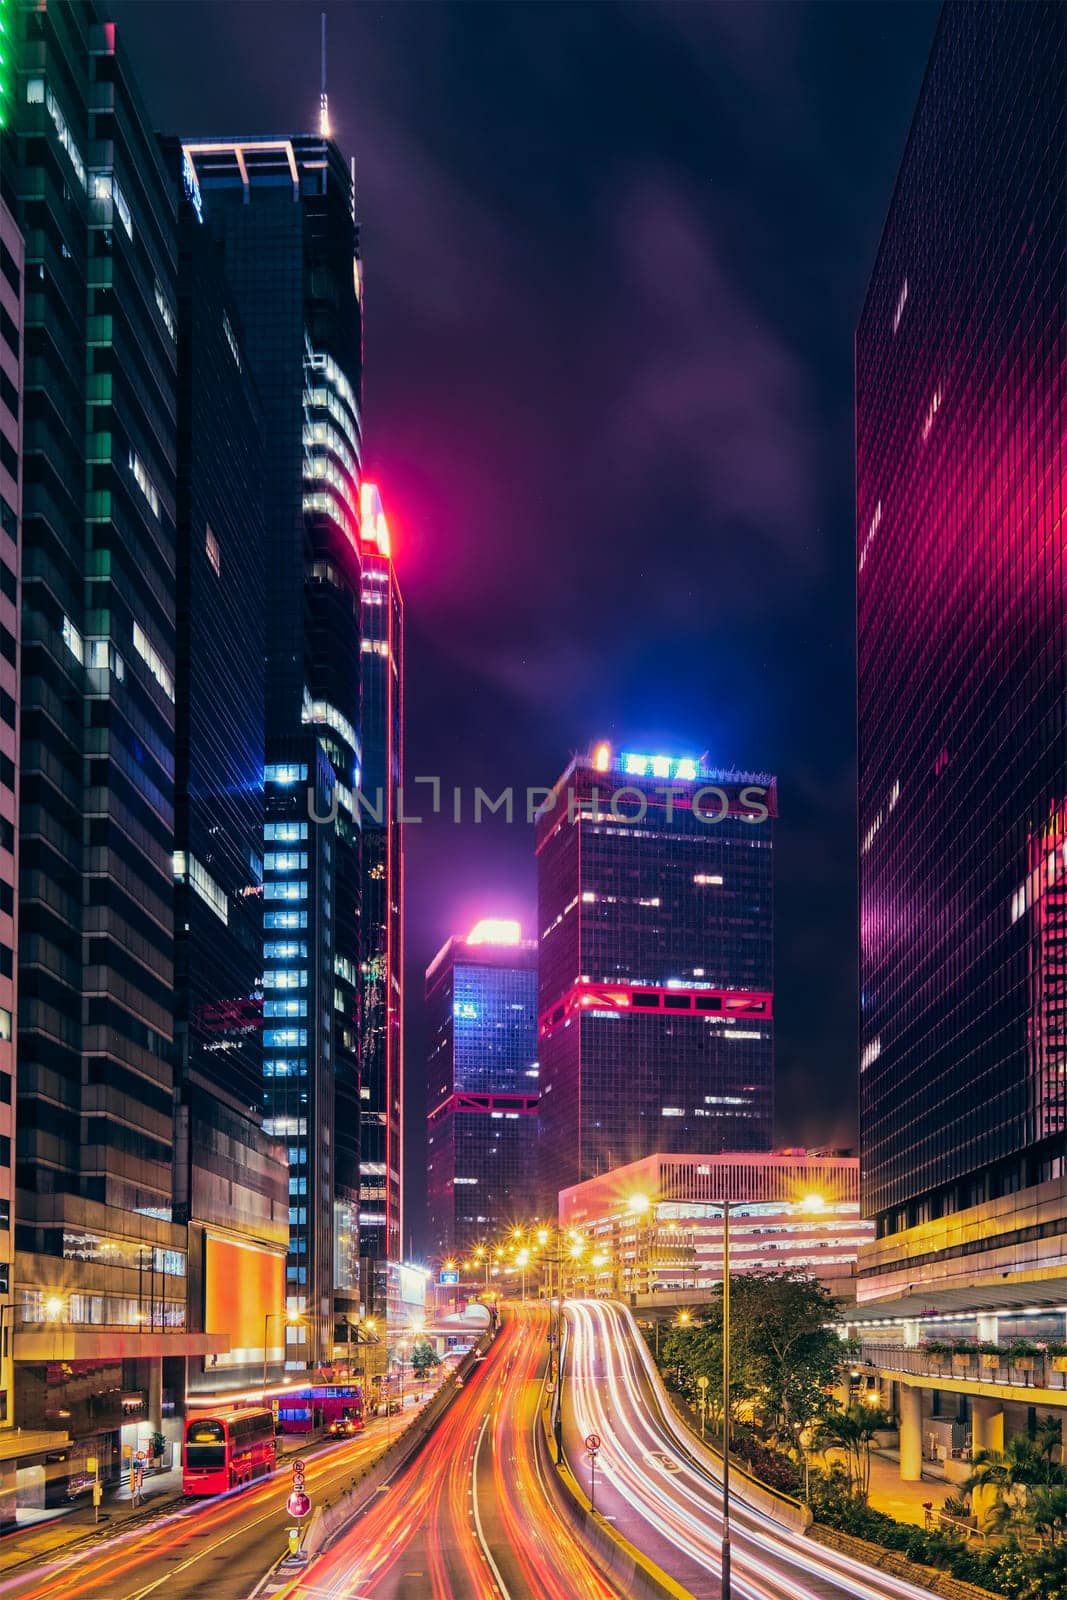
point(282, 208)
point(381, 1064)
point(961, 419)
point(97, 1246)
point(655, 907)
point(230, 1179)
point(12, 278)
point(481, 998)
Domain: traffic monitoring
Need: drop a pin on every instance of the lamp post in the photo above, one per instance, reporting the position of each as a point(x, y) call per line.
point(702, 1385)
point(290, 1322)
point(725, 1559)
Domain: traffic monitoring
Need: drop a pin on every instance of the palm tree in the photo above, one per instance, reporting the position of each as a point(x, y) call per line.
point(852, 1432)
point(1046, 1510)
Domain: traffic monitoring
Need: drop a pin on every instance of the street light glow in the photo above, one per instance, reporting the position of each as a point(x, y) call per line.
point(638, 1205)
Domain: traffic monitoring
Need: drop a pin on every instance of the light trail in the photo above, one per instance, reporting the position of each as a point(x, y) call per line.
point(663, 1477)
point(467, 1544)
point(120, 1557)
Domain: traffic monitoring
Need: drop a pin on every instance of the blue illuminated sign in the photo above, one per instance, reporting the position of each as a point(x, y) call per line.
point(449, 1279)
point(685, 768)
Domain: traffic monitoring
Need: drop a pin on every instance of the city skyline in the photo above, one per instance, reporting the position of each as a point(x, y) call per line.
point(602, 446)
point(455, 468)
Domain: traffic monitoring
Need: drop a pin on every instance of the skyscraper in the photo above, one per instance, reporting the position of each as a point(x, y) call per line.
point(97, 1248)
point(230, 1179)
point(961, 424)
point(381, 1064)
point(481, 998)
point(11, 334)
point(282, 208)
point(655, 895)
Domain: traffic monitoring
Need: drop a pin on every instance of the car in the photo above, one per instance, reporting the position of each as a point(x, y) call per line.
point(342, 1427)
point(393, 1406)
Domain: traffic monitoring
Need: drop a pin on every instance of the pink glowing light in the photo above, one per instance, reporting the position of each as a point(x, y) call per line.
point(373, 527)
point(495, 930)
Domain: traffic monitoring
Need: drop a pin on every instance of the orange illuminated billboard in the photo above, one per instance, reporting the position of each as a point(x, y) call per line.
point(242, 1283)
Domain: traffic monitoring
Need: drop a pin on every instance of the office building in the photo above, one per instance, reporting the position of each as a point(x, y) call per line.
point(100, 1273)
point(11, 340)
point(381, 1063)
point(230, 1180)
point(961, 421)
point(481, 1000)
point(655, 893)
point(655, 1226)
point(282, 210)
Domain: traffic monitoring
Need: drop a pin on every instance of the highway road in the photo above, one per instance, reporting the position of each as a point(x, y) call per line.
point(468, 1519)
point(214, 1549)
point(661, 1487)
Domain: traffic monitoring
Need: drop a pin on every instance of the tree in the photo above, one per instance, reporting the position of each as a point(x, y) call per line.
point(852, 1431)
point(785, 1353)
point(424, 1359)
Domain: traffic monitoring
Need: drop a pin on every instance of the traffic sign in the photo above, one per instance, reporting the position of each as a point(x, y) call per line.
point(298, 1504)
point(592, 1441)
point(299, 1466)
point(449, 1279)
point(298, 1480)
point(142, 1455)
point(703, 1382)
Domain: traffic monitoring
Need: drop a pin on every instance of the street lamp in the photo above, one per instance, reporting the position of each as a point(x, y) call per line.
point(291, 1321)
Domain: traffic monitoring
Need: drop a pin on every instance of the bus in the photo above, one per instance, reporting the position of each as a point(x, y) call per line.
point(227, 1450)
point(323, 1406)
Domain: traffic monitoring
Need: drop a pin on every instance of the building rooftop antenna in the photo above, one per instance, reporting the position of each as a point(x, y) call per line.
point(324, 105)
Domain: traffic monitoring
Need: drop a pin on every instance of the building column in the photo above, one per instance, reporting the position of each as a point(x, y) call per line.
point(155, 1393)
point(987, 1328)
point(987, 1424)
point(911, 1434)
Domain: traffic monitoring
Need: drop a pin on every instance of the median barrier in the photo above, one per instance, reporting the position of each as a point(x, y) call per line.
point(330, 1517)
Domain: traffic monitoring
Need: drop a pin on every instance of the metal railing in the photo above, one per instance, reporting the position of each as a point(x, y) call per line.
point(1036, 1372)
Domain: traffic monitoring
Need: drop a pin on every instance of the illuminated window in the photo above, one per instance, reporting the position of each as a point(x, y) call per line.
point(285, 919)
point(187, 869)
point(73, 641)
point(285, 978)
point(144, 482)
point(166, 311)
point(153, 660)
point(285, 832)
point(285, 773)
point(291, 890)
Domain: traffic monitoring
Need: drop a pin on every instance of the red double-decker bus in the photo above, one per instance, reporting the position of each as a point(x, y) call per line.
point(227, 1450)
point(337, 1407)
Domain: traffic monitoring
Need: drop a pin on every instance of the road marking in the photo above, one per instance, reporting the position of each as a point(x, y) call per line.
point(477, 1515)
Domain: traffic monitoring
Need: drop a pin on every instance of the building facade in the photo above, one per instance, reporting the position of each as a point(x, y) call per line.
point(100, 1273)
point(282, 210)
point(655, 1226)
point(656, 1002)
point(961, 402)
point(11, 344)
point(230, 1178)
point(381, 1063)
point(481, 999)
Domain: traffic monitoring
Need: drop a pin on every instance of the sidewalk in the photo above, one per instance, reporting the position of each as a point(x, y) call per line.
point(905, 1501)
point(61, 1527)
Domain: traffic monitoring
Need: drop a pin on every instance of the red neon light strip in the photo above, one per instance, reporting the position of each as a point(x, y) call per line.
point(657, 1000)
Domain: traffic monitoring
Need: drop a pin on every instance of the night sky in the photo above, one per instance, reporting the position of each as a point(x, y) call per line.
point(613, 259)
